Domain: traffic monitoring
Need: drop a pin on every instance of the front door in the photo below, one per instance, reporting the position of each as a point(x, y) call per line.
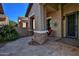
point(71, 25)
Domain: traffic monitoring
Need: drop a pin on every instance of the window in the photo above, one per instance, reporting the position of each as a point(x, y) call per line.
point(24, 25)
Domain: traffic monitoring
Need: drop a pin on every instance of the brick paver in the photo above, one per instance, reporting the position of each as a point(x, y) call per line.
point(21, 47)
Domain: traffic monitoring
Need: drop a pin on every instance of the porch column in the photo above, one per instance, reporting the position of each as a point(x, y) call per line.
point(40, 33)
point(60, 23)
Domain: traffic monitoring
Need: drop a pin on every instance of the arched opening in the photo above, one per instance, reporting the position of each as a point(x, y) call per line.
point(48, 24)
point(32, 23)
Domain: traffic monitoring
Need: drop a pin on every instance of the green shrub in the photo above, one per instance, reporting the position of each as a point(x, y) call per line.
point(8, 33)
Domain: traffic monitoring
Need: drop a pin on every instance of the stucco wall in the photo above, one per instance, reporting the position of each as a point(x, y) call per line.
point(6, 22)
point(37, 12)
point(69, 8)
point(56, 18)
point(34, 12)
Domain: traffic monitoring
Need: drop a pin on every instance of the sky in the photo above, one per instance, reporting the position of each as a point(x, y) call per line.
point(14, 10)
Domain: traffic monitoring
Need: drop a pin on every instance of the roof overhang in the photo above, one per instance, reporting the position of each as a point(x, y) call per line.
point(28, 9)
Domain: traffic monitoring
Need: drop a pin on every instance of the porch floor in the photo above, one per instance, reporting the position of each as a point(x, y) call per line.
point(73, 42)
point(53, 47)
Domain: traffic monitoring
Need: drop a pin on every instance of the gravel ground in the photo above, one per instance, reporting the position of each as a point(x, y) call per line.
point(21, 47)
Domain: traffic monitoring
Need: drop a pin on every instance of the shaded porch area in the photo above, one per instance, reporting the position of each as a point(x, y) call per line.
point(59, 17)
point(64, 20)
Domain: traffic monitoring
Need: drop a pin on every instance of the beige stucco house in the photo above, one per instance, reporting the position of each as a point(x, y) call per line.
point(63, 19)
point(23, 26)
point(22, 22)
point(3, 19)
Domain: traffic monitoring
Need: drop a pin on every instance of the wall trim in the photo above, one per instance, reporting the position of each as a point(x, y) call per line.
point(50, 17)
point(45, 31)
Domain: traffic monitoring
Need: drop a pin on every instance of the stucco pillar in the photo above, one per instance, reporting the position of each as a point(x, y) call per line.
point(40, 33)
point(60, 25)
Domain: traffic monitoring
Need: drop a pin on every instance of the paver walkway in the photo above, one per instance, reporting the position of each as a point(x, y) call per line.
point(21, 47)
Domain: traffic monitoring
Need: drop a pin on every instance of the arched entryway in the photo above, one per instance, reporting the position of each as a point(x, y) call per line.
point(32, 24)
point(48, 24)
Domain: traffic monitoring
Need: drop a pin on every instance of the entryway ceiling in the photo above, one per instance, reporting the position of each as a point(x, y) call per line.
point(51, 7)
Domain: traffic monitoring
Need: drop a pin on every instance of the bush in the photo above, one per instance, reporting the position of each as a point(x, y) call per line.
point(8, 33)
